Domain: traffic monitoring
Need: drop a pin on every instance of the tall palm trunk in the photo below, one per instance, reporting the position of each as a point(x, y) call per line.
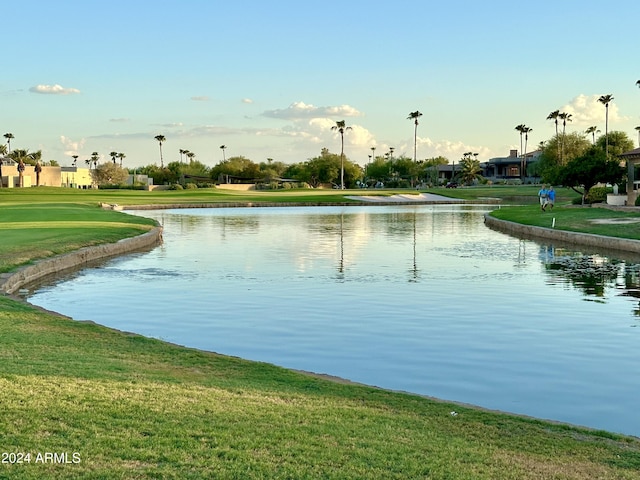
point(341, 159)
point(606, 130)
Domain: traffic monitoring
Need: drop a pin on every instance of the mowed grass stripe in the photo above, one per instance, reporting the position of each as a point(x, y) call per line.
point(71, 224)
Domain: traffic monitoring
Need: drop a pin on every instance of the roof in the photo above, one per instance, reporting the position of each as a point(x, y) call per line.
point(631, 153)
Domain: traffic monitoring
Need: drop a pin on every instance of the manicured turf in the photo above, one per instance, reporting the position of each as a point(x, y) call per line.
point(133, 407)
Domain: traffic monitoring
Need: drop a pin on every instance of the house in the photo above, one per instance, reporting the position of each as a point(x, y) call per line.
point(632, 159)
point(513, 167)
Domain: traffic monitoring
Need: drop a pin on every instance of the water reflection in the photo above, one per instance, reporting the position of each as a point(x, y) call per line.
point(594, 274)
point(418, 298)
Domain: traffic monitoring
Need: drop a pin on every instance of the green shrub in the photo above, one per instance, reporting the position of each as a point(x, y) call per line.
point(121, 187)
point(191, 186)
point(175, 186)
point(598, 194)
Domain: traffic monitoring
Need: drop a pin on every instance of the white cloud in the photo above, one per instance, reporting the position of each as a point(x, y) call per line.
point(53, 90)
point(587, 111)
point(300, 110)
point(71, 147)
point(201, 98)
point(247, 100)
point(119, 120)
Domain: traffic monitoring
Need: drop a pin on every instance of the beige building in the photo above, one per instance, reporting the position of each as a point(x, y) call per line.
point(72, 177)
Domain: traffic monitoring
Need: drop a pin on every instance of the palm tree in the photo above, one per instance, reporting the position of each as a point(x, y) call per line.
point(638, 83)
point(88, 162)
point(223, 148)
point(521, 129)
point(565, 117)
point(75, 159)
point(190, 156)
point(121, 156)
point(414, 116)
point(181, 153)
point(94, 158)
point(605, 100)
point(9, 136)
point(527, 130)
point(113, 156)
point(341, 126)
point(161, 140)
point(592, 130)
point(469, 168)
point(554, 116)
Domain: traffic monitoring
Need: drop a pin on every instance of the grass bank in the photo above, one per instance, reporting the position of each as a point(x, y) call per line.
point(592, 220)
point(133, 407)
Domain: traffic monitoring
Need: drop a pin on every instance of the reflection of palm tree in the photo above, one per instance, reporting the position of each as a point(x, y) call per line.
point(341, 263)
point(606, 100)
point(592, 130)
point(414, 270)
point(161, 139)
point(414, 116)
point(341, 126)
point(9, 136)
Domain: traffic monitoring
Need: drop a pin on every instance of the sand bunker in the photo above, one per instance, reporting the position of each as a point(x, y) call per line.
point(615, 221)
point(405, 198)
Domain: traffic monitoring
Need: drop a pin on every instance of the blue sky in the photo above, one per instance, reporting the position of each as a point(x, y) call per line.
point(269, 79)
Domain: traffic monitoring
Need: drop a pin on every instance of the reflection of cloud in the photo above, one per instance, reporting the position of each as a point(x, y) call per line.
point(587, 111)
point(326, 238)
point(299, 110)
point(53, 90)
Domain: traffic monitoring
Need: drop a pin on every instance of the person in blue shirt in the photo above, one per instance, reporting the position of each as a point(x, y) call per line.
point(543, 195)
point(551, 197)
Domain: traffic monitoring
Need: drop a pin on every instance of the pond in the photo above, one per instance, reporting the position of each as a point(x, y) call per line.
point(424, 299)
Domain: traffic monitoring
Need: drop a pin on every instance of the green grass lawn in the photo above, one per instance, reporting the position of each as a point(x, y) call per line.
point(133, 407)
point(33, 231)
point(576, 219)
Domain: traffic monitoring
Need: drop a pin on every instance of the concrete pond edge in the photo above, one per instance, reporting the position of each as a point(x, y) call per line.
point(586, 239)
point(11, 282)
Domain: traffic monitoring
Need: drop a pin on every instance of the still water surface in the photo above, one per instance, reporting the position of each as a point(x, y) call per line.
point(424, 299)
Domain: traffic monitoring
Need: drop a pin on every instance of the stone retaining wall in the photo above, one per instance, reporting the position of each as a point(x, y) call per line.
point(590, 240)
point(12, 282)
